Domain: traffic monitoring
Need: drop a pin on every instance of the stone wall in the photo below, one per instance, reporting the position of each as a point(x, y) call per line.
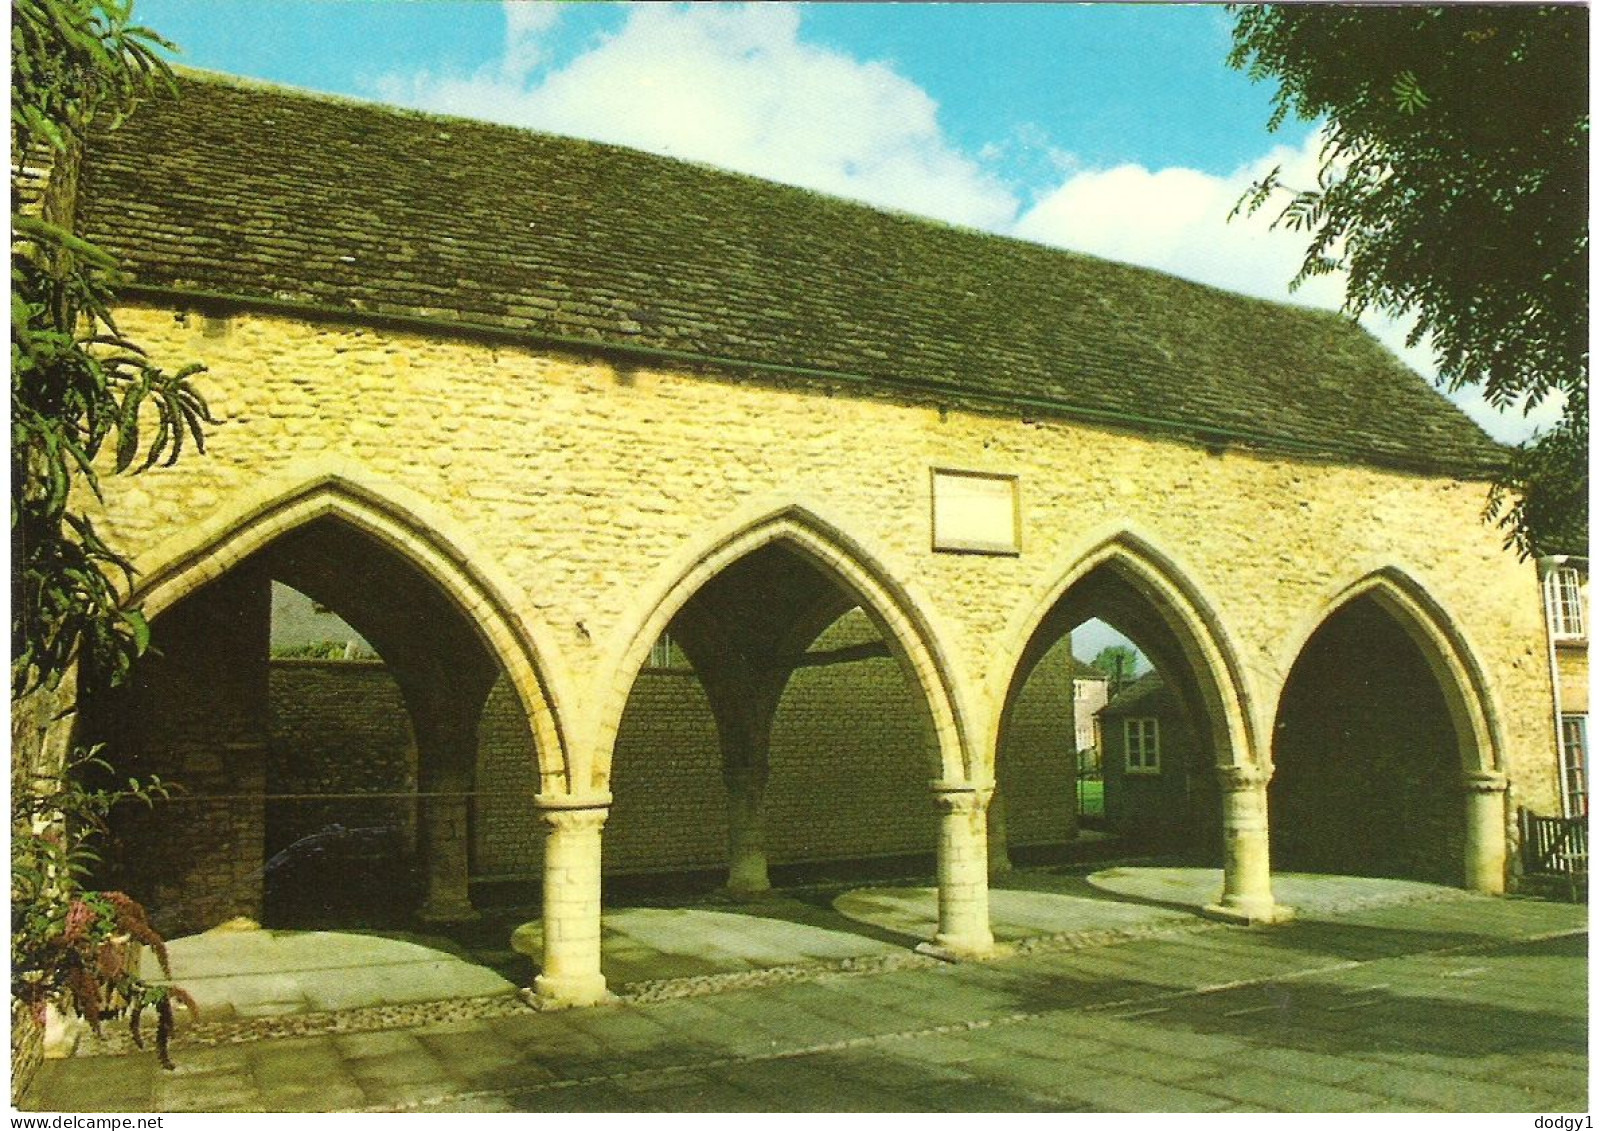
point(195, 713)
point(850, 766)
point(1036, 757)
point(1573, 677)
point(576, 494)
point(338, 727)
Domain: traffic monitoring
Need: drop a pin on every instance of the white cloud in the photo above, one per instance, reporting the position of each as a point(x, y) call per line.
point(527, 21)
point(734, 87)
point(1176, 220)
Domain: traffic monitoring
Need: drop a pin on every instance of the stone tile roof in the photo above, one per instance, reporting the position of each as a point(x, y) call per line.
point(278, 196)
point(1142, 692)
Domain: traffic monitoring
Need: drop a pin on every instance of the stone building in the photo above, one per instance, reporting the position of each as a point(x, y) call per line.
point(1565, 599)
point(516, 406)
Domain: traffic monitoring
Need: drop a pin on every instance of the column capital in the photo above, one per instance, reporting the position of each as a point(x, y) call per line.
point(574, 814)
point(1242, 777)
point(1485, 781)
point(960, 797)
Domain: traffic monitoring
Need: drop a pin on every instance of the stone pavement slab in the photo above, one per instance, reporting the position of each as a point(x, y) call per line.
point(1456, 1002)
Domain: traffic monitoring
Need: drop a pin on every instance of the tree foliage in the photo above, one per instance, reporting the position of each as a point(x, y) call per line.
point(78, 386)
point(1118, 662)
point(1452, 189)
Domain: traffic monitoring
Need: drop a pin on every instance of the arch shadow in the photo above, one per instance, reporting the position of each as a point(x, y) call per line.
point(1448, 654)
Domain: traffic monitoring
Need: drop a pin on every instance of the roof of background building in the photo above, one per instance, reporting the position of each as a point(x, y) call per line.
point(1143, 691)
point(240, 191)
point(1080, 669)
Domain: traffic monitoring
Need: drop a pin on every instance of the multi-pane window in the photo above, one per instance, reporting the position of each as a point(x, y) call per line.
point(1562, 593)
point(1573, 764)
point(662, 653)
point(1141, 746)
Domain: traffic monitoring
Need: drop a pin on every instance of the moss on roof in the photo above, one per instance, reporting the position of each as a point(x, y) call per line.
point(278, 196)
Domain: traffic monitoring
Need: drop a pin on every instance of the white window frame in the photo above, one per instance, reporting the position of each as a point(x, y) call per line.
point(1141, 745)
point(1562, 596)
point(662, 653)
point(1573, 764)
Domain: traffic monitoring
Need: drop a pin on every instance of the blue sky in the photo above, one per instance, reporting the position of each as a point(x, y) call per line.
point(1113, 129)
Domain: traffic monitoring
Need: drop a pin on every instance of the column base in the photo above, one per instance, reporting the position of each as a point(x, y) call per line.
point(447, 911)
point(747, 892)
point(566, 991)
point(1250, 912)
point(951, 948)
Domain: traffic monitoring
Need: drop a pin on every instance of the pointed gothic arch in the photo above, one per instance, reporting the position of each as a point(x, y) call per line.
point(838, 556)
point(1205, 650)
point(1387, 741)
point(1443, 645)
point(417, 534)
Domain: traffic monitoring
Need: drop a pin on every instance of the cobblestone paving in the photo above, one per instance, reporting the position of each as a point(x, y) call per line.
point(1452, 1004)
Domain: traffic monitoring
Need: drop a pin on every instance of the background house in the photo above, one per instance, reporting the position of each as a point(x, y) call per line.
point(1564, 580)
point(1157, 788)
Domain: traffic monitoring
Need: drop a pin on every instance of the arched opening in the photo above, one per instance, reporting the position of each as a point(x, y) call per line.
point(1150, 706)
point(1369, 775)
point(340, 823)
point(773, 724)
point(304, 799)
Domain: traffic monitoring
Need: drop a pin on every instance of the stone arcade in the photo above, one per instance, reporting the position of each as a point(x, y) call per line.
point(517, 406)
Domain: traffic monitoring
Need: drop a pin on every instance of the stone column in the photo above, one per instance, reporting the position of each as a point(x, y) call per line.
point(963, 918)
point(749, 860)
point(570, 969)
point(1246, 897)
point(1486, 847)
point(445, 858)
point(997, 861)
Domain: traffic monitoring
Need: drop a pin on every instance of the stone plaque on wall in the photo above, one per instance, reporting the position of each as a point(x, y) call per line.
point(974, 512)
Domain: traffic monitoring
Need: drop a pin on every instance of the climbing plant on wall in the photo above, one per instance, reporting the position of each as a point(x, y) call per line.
point(80, 391)
point(79, 387)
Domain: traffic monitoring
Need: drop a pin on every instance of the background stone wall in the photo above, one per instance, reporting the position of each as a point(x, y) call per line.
point(195, 713)
point(850, 767)
point(338, 727)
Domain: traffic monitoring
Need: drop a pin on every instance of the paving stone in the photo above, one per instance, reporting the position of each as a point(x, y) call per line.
point(330, 1095)
point(699, 1094)
point(228, 1094)
point(1447, 1092)
point(98, 1083)
point(980, 1095)
point(1499, 1026)
point(1288, 1093)
point(1110, 1090)
point(809, 1084)
point(416, 1067)
point(360, 1046)
point(794, 1027)
point(1165, 1035)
